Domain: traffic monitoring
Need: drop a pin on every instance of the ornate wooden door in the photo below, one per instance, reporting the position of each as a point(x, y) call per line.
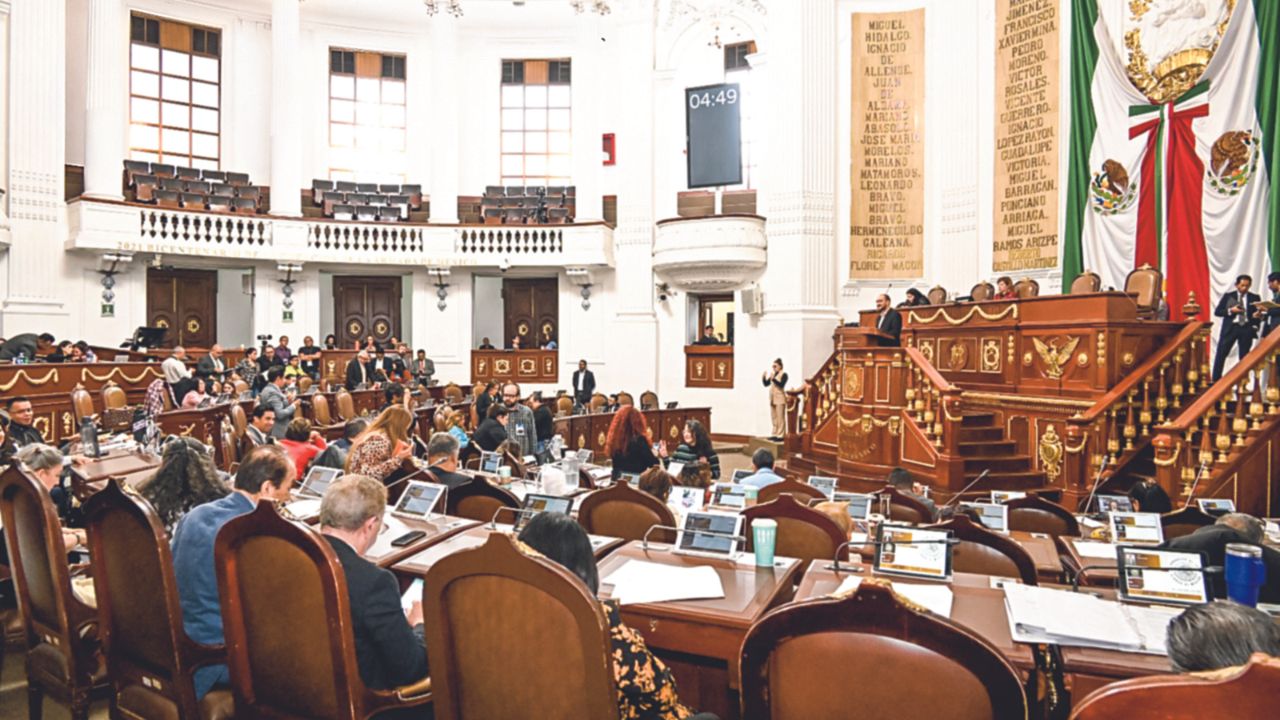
point(532, 306)
point(366, 306)
point(185, 302)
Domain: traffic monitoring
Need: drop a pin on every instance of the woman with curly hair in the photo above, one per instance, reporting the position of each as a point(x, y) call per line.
point(186, 478)
point(628, 443)
point(383, 447)
point(696, 449)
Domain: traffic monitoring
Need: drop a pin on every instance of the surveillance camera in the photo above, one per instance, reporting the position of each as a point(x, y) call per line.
point(662, 297)
point(504, 264)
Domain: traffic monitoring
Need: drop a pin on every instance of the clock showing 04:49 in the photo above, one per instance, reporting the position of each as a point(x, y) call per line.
point(713, 127)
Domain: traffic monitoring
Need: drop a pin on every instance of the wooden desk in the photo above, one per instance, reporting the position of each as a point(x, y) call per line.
point(701, 640)
point(1042, 549)
point(708, 366)
point(418, 564)
point(91, 477)
point(438, 530)
point(590, 431)
point(1103, 571)
point(521, 366)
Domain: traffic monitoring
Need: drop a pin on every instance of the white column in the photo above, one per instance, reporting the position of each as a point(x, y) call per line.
point(587, 94)
point(37, 152)
point(286, 120)
point(798, 185)
point(444, 121)
point(105, 93)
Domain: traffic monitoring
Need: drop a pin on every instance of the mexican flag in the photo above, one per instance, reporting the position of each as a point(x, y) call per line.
point(1173, 143)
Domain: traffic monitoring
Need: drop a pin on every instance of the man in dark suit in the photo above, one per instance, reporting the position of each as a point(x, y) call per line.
point(358, 371)
point(1239, 323)
point(442, 459)
point(1271, 318)
point(1212, 540)
point(28, 345)
point(211, 366)
point(390, 649)
point(709, 336)
point(584, 384)
point(889, 321)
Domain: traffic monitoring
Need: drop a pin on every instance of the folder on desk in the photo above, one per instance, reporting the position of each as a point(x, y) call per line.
point(1060, 617)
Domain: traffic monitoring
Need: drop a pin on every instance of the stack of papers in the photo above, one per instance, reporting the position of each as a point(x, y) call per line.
point(1061, 617)
point(306, 508)
point(639, 581)
point(1095, 550)
point(937, 599)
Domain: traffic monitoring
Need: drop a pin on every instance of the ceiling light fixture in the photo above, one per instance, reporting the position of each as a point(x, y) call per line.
point(600, 7)
point(454, 7)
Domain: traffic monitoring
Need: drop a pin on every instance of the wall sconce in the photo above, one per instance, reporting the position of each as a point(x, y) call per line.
point(111, 263)
point(286, 288)
point(581, 277)
point(440, 274)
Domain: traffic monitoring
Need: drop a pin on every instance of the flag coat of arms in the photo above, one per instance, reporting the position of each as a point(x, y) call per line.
point(1173, 143)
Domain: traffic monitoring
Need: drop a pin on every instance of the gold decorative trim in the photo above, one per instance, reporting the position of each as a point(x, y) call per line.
point(1023, 400)
point(1173, 460)
point(51, 376)
point(1054, 356)
point(947, 412)
point(1051, 453)
point(925, 320)
point(87, 374)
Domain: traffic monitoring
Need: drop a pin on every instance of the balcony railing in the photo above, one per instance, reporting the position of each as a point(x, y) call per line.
point(98, 225)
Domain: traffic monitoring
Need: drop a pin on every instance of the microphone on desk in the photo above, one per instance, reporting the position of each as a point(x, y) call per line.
point(1192, 492)
point(835, 561)
point(1097, 481)
point(518, 512)
point(644, 542)
point(957, 496)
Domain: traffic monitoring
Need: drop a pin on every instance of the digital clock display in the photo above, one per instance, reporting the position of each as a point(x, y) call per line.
point(713, 126)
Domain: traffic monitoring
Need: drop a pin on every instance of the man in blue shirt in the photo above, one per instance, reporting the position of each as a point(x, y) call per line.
point(267, 473)
point(764, 475)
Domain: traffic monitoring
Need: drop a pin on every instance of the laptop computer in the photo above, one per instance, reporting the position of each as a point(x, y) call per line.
point(632, 479)
point(827, 485)
point(418, 500)
point(729, 495)
point(535, 503)
point(1168, 577)
point(1216, 506)
point(490, 462)
point(860, 504)
point(318, 480)
point(993, 516)
point(1136, 527)
point(1114, 503)
point(738, 475)
point(709, 534)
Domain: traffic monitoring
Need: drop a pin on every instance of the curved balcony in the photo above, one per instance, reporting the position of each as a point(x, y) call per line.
point(710, 254)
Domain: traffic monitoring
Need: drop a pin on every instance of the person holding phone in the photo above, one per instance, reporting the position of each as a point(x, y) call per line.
point(776, 381)
point(383, 447)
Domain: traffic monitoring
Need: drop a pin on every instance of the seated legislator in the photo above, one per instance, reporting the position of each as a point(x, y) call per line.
point(762, 461)
point(390, 650)
point(657, 482)
point(293, 371)
point(515, 344)
point(695, 448)
point(302, 443)
point(442, 460)
point(22, 415)
point(196, 395)
point(646, 688)
point(45, 463)
point(335, 455)
point(483, 399)
point(266, 473)
point(1005, 290)
point(383, 447)
point(493, 430)
point(359, 371)
point(1220, 635)
point(485, 344)
point(1150, 497)
point(1212, 540)
point(901, 481)
point(914, 298)
point(275, 397)
point(709, 337)
point(628, 443)
point(259, 429)
point(185, 479)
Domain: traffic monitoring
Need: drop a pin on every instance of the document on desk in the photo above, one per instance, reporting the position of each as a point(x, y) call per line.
point(1095, 550)
point(638, 581)
point(306, 508)
point(937, 599)
point(1061, 617)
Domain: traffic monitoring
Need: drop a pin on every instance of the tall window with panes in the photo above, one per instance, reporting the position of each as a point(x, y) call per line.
point(367, 117)
point(536, 122)
point(738, 70)
point(175, 93)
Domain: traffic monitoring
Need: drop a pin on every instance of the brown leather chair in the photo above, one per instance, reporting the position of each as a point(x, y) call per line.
point(1185, 521)
point(598, 401)
point(937, 295)
point(1035, 514)
point(800, 490)
point(1086, 282)
point(150, 659)
point(909, 664)
point(1249, 692)
point(624, 398)
point(320, 413)
point(905, 508)
point(346, 406)
point(62, 656)
point(803, 532)
point(239, 421)
point(1147, 283)
point(479, 500)
point(116, 414)
point(304, 384)
point(241, 387)
point(293, 659)
point(230, 450)
point(497, 602)
point(982, 291)
point(452, 393)
point(1026, 288)
point(113, 396)
point(564, 406)
point(983, 552)
point(626, 512)
point(648, 400)
point(82, 405)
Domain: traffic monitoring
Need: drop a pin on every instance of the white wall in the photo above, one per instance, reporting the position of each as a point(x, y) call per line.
point(487, 310)
point(235, 309)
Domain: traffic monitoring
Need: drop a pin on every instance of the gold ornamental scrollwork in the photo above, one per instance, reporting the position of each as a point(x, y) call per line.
point(1127, 359)
point(87, 374)
point(957, 357)
point(582, 440)
point(1082, 360)
point(41, 423)
point(673, 432)
point(867, 422)
point(600, 439)
point(193, 326)
point(946, 411)
point(66, 423)
point(919, 319)
point(852, 387)
point(502, 366)
point(186, 431)
point(991, 355)
point(51, 376)
point(528, 366)
point(1173, 459)
point(926, 349)
point(1051, 453)
point(1055, 355)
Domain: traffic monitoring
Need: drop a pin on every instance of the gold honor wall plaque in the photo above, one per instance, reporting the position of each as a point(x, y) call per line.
point(1026, 162)
point(886, 222)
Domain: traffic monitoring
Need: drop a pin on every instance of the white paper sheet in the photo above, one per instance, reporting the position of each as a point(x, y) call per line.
point(304, 508)
point(638, 581)
point(1095, 550)
point(936, 599)
point(1045, 615)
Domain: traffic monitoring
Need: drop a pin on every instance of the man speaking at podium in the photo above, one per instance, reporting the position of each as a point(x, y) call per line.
point(889, 321)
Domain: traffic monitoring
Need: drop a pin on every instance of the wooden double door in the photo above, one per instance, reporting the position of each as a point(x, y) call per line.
point(186, 303)
point(532, 308)
point(365, 306)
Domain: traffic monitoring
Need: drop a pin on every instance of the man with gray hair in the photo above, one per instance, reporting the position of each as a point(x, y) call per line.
point(442, 458)
point(1221, 634)
point(390, 649)
point(358, 370)
point(1212, 540)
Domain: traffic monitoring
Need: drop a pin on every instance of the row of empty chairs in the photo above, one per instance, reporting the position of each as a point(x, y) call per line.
point(1143, 283)
point(191, 188)
point(344, 200)
point(522, 205)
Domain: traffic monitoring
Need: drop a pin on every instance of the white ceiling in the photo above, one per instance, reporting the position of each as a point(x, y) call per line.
point(404, 14)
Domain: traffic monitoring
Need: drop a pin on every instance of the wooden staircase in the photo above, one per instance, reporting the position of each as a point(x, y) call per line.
point(986, 446)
